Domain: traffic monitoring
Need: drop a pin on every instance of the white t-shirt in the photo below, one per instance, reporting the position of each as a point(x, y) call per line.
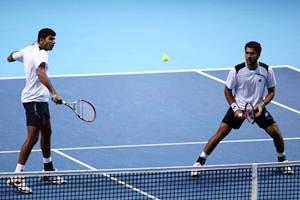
point(249, 85)
point(32, 56)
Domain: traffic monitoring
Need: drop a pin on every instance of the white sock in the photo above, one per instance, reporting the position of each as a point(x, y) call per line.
point(19, 168)
point(281, 154)
point(47, 160)
point(203, 154)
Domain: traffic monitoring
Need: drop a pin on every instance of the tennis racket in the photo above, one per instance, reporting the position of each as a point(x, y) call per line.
point(83, 109)
point(249, 113)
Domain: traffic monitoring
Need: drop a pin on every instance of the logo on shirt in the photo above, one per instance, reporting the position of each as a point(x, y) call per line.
point(266, 114)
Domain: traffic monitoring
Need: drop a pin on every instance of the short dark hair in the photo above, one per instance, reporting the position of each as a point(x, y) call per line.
point(45, 32)
point(255, 45)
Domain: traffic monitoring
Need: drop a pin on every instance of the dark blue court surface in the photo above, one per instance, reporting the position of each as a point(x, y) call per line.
point(148, 120)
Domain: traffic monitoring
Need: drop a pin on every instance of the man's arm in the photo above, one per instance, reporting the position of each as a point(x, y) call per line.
point(46, 81)
point(10, 57)
point(267, 100)
point(229, 96)
point(231, 101)
point(270, 96)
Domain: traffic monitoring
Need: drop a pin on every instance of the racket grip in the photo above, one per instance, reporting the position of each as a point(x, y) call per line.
point(59, 102)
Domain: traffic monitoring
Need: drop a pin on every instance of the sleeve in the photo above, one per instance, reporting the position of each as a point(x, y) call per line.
point(271, 80)
point(41, 57)
point(231, 79)
point(18, 55)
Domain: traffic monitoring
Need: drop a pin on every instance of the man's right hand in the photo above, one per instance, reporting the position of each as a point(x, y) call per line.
point(238, 114)
point(56, 98)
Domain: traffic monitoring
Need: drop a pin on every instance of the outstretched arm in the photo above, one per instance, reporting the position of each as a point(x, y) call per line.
point(10, 57)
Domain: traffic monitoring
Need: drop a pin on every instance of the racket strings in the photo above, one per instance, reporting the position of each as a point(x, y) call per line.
point(250, 113)
point(85, 111)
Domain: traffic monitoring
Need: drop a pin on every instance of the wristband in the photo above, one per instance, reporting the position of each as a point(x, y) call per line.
point(234, 107)
point(263, 104)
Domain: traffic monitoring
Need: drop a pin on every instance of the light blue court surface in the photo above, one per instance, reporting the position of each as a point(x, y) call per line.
point(148, 120)
point(96, 36)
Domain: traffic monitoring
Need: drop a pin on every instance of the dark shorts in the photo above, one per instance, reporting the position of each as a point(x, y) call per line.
point(263, 121)
point(37, 113)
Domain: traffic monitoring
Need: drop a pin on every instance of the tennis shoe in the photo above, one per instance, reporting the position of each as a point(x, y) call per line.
point(56, 180)
point(195, 172)
point(18, 182)
point(286, 170)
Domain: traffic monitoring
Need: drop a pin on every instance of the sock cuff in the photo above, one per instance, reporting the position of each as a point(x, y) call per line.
point(47, 160)
point(281, 154)
point(203, 154)
point(19, 168)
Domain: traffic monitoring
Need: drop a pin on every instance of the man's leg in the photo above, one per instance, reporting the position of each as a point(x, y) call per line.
point(221, 133)
point(32, 138)
point(228, 123)
point(46, 150)
point(274, 132)
point(18, 182)
point(46, 146)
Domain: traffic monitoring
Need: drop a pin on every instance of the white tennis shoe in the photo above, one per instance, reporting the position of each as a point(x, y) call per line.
point(286, 170)
point(18, 182)
point(56, 180)
point(195, 172)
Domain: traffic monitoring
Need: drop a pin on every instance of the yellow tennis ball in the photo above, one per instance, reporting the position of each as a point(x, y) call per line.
point(165, 58)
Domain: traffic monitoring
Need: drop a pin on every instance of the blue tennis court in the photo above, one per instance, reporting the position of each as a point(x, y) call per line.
point(151, 120)
point(154, 119)
point(150, 113)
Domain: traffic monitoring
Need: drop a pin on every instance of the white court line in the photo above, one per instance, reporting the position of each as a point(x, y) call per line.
point(274, 102)
point(293, 68)
point(172, 144)
point(106, 175)
point(138, 72)
point(74, 159)
point(108, 74)
point(156, 145)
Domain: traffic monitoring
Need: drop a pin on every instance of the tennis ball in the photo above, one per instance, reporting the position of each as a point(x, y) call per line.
point(165, 58)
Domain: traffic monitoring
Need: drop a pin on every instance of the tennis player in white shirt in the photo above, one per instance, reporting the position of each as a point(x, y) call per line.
point(35, 97)
point(246, 82)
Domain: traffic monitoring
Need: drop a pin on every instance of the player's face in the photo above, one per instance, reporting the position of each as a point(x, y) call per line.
point(48, 42)
point(251, 56)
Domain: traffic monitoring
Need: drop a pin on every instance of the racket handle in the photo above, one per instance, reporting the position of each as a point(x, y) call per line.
point(60, 102)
